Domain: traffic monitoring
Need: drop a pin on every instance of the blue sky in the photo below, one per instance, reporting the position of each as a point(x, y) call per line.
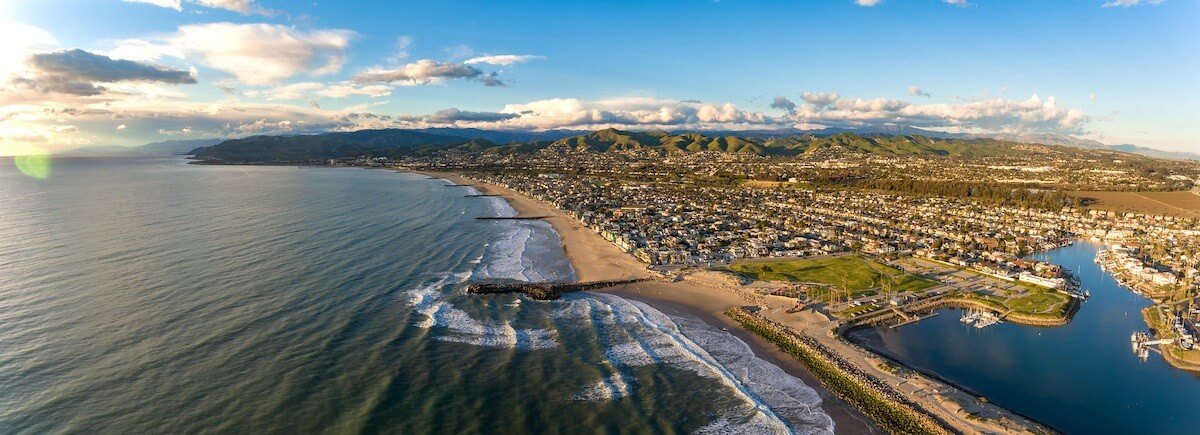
point(1120, 72)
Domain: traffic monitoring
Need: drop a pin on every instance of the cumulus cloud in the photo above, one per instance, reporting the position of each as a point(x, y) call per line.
point(503, 59)
point(426, 71)
point(1128, 3)
point(993, 115)
point(628, 112)
point(820, 99)
point(77, 72)
point(256, 54)
point(918, 92)
point(783, 103)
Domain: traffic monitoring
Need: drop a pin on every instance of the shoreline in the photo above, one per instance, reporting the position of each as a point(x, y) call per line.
point(594, 258)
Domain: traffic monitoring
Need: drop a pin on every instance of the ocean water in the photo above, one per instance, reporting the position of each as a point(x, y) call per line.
point(1079, 378)
point(149, 295)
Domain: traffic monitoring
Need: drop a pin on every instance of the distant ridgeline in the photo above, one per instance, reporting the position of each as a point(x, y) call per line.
point(415, 143)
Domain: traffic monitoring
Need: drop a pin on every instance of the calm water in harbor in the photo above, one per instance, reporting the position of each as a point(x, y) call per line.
point(1079, 378)
point(150, 295)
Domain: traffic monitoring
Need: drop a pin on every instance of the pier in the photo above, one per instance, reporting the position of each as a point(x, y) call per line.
point(545, 291)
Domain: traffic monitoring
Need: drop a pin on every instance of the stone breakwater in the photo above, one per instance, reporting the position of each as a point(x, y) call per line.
point(873, 397)
point(545, 291)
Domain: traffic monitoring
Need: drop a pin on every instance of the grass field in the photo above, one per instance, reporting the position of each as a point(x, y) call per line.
point(1181, 203)
point(858, 274)
point(1040, 303)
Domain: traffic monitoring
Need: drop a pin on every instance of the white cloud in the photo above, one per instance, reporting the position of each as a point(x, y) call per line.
point(918, 92)
point(19, 42)
point(122, 127)
point(426, 71)
point(992, 115)
point(1128, 3)
point(960, 3)
point(169, 4)
point(256, 54)
point(628, 112)
point(403, 47)
point(308, 90)
point(503, 59)
point(867, 2)
point(820, 99)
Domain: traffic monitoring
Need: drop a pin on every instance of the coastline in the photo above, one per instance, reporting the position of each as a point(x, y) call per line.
point(596, 259)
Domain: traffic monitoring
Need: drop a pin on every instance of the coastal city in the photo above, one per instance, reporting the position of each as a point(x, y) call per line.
point(707, 211)
point(776, 217)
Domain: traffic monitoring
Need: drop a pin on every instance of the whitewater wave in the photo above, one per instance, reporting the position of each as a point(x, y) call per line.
point(430, 301)
point(629, 334)
point(611, 387)
point(774, 402)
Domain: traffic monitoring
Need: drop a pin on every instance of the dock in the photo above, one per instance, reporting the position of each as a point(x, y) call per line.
point(545, 291)
point(511, 218)
point(914, 320)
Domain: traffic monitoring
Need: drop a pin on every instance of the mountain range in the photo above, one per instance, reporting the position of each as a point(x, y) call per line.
point(396, 142)
point(774, 142)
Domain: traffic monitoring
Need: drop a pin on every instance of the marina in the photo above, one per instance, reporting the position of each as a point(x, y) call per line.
point(1062, 369)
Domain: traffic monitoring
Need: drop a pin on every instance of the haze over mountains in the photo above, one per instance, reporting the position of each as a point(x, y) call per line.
point(170, 147)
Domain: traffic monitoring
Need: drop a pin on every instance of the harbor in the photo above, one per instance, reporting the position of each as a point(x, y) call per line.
point(1062, 369)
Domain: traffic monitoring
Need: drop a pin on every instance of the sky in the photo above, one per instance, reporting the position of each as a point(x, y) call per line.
point(126, 72)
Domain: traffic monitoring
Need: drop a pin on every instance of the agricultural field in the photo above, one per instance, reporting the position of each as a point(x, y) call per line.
point(1180, 203)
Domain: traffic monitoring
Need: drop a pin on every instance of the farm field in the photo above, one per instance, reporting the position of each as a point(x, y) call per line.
point(1179, 203)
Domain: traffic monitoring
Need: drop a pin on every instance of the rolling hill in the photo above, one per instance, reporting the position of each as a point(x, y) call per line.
point(397, 143)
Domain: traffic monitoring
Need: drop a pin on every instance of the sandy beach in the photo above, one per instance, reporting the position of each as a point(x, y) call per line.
point(596, 259)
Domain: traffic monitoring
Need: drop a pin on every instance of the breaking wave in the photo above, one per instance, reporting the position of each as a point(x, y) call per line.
point(629, 334)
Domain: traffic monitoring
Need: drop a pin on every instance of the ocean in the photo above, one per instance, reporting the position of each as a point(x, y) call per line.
point(1079, 378)
point(148, 295)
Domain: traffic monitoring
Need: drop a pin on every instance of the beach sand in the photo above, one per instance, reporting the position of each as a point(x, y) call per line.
point(596, 259)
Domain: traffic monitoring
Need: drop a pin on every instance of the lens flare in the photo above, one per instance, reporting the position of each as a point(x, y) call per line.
point(36, 166)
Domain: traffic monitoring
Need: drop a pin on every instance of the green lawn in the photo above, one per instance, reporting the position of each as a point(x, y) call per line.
point(1040, 303)
point(858, 274)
